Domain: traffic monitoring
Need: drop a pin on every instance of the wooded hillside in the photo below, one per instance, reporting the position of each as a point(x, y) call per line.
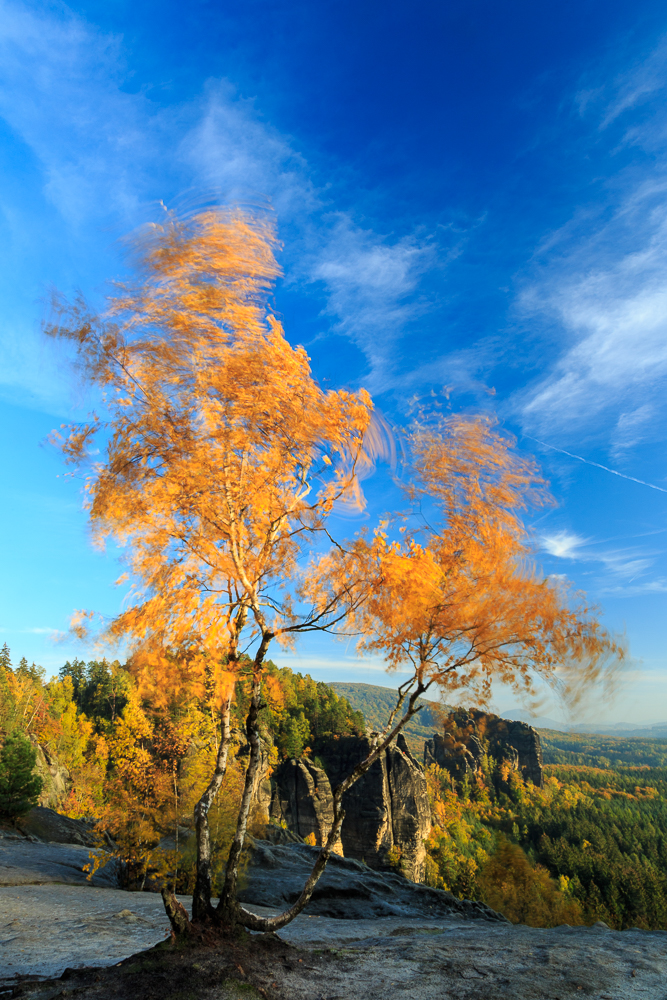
point(591, 844)
point(376, 702)
point(586, 750)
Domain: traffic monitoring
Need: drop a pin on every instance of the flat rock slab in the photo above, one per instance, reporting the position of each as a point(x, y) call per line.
point(49, 927)
point(45, 929)
point(405, 941)
point(424, 960)
point(23, 862)
point(348, 889)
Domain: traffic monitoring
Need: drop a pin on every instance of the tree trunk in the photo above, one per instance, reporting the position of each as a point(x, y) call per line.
point(201, 898)
point(229, 911)
point(268, 924)
point(178, 918)
point(228, 906)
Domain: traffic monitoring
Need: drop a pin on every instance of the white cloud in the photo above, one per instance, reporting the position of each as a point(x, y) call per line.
point(231, 148)
point(563, 544)
point(630, 428)
point(369, 280)
point(107, 156)
point(605, 283)
point(621, 566)
point(625, 564)
point(371, 286)
point(617, 316)
point(60, 90)
point(647, 587)
point(631, 89)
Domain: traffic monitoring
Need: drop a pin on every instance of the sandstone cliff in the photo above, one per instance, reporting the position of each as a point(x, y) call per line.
point(469, 735)
point(387, 813)
point(56, 778)
point(302, 799)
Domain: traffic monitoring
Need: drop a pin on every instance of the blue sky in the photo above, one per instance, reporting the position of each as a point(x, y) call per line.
point(470, 195)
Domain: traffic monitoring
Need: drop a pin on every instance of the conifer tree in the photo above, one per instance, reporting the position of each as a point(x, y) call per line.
point(19, 786)
point(5, 658)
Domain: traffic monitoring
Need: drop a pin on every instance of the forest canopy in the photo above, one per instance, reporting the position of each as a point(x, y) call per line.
point(590, 845)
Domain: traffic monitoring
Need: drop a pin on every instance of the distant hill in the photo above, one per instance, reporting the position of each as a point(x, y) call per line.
point(377, 702)
point(537, 722)
point(625, 729)
point(616, 747)
point(603, 751)
point(620, 729)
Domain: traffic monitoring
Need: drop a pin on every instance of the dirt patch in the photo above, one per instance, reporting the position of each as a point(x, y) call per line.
point(230, 971)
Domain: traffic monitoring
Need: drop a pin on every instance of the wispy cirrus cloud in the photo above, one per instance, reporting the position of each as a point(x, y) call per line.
point(61, 92)
point(617, 317)
point(604, 284)
point(371, 288)
point(621, 566)
point(369, 280)
point(635, 589)
point(105, 157)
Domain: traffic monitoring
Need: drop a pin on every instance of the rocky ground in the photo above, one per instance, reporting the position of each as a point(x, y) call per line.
point(315, 958)
point(50, 929)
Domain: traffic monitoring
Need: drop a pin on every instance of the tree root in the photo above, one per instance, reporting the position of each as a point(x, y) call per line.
point(178, 918)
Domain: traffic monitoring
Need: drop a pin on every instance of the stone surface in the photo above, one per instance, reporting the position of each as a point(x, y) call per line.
point(24, 862)
point(51, 826)
point(429, 960)
point(469, 735)
point(45, 929)
point(348, 889)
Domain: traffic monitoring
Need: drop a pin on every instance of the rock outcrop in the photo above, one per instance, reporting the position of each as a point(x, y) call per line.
point(348, 889)
point(56, 778)
point(54, 828)
point(302, 800)
point(25, 862)
point(387, 812)
point(468, 736)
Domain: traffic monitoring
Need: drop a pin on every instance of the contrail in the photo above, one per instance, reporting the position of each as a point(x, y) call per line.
point(597, 465)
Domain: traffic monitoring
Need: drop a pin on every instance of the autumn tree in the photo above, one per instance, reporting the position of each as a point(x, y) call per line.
point(222, 463)
point(455, 597)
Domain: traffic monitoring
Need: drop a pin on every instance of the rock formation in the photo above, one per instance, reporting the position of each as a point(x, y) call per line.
point(55, 776)
point(52, 827)
point(302, 799)
point(347, 889)
point(387, 812)
point(468, 736)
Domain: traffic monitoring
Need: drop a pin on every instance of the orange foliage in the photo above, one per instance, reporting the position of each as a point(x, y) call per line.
point(525, 893)
point(457, 598)
point(223, 455)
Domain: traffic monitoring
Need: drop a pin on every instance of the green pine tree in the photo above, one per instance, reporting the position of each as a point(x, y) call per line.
point(296, 736)
point(5, 658)
point(34, 672)
point(19, 787)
